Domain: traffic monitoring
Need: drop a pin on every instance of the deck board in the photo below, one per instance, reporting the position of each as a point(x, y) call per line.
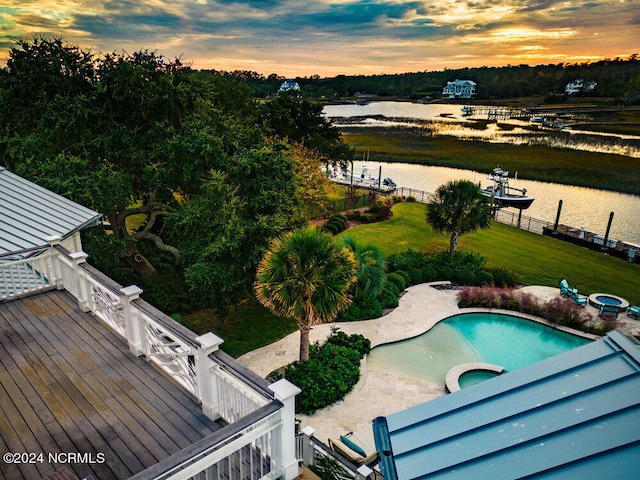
point(69, 384)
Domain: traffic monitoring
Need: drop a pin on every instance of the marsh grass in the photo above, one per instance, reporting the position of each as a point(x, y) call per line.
point(534, 162)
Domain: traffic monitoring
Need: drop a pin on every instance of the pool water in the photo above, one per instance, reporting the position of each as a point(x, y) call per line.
point(504, 340)
point(608, 300)
point(476, 376)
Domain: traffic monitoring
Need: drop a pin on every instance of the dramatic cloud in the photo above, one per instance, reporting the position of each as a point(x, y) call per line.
point(329, 37)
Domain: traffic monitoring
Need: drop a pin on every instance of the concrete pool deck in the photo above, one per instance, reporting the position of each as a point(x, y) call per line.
point(421, 307)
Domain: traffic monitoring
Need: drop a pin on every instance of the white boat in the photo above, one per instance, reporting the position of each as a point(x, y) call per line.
point(501, 192)
point(537, 119)
point(362, 178)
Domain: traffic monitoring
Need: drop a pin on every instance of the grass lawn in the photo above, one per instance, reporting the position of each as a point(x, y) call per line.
point(243, 329)
point(538, 260)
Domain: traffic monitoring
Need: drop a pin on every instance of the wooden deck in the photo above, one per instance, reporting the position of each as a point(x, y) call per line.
point(69, 385)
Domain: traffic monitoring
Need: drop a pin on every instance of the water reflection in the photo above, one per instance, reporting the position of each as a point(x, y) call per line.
point(588, 207)
point(445, 119)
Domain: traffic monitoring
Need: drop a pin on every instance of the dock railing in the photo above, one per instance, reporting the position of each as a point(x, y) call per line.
point(225, 389)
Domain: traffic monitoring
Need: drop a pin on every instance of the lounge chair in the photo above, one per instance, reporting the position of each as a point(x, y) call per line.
point(577, 298)
point(634, 311)
point(565, 291)
point(341, 447)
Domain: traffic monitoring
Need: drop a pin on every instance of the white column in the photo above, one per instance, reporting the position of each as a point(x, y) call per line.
point(363, 472)
point(55, 266)
point(206, 380)
point(133, 327)
point(308, 452)
point(84, 289)
point(284, 437)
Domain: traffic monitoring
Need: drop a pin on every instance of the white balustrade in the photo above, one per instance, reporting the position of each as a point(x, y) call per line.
point(265, 448)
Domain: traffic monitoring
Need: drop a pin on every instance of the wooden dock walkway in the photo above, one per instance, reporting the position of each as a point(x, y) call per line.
point(68, 385)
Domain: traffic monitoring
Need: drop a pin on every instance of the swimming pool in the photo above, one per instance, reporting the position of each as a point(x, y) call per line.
point(500, 339)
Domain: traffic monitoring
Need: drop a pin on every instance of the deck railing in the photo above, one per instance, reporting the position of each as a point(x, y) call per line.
point(225, 389)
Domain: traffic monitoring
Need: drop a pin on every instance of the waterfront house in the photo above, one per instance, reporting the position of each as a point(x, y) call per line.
point(574, 415)
point(579, 86)
point(289, 86)
point(97, 383)
point(459, 89)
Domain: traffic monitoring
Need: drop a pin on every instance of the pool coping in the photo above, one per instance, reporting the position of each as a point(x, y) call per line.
point(452, 379)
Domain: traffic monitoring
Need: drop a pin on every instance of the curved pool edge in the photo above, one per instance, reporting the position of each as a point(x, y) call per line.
point(513, 313)
point(452, 379)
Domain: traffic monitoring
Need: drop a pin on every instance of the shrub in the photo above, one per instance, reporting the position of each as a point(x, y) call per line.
point(336, 224)
point(503, 278)
point(410, 199)
point(362, 308)
point(484, 278)
point(405, 275)
point(397, 279)
point(388, 297)
point(330, 373)
point(355, 341)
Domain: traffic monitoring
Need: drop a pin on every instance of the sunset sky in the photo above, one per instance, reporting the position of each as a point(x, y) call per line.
point(330, 37)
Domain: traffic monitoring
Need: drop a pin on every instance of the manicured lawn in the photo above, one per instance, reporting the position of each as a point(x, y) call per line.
point(536, 259)
point(244, 328)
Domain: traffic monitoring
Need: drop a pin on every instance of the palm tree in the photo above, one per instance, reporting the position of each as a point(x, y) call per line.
point(459, 207)
point(305, 275)
point(369, 267)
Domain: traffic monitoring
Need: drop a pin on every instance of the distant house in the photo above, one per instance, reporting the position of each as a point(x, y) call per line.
point(579, 86)
point(289, 86)
point(574, 415)
point(459, 89)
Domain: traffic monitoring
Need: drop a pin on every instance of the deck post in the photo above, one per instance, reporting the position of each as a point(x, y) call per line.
point(84, 293)
point(55, 266)
point(363, 472)
point(133, 328)
point(308, 451)
point(284, 437)
point(206, 380)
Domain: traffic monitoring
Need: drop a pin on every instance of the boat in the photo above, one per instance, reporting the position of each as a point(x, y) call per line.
point(501, 192)
point(362, 178)
point(362, 101)
point(537, 119)
point(467, 110)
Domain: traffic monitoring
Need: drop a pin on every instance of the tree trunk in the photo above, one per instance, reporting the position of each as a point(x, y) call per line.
point(453, 242)
point(139, 263)
point(304, 343)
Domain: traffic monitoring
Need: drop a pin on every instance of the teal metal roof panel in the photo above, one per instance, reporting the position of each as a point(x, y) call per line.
point(30, 213)
point(580, 406)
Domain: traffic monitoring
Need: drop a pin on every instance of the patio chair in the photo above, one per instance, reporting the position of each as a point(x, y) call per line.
point(576, 298)
point(355, 456)
point(634, 311)
point(565, 291)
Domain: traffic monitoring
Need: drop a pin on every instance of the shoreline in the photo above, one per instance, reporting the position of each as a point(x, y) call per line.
point(564, 166)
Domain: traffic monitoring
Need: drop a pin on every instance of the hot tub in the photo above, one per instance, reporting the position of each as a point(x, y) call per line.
point(600, 300)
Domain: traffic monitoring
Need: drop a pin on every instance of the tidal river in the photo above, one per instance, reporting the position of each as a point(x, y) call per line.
point(582, 207)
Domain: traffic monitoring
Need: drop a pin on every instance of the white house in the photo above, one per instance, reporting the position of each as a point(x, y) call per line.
point(579, 85)
point(289, 86)
point(459, 89)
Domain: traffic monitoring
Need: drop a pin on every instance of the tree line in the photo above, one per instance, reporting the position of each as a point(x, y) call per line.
point(617, 78)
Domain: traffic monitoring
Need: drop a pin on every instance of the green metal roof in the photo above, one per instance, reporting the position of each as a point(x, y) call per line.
point(30, 213)
point(575, 415)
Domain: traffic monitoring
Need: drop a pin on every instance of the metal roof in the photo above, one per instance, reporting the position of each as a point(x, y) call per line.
point(575, 415)
point(30, 213)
